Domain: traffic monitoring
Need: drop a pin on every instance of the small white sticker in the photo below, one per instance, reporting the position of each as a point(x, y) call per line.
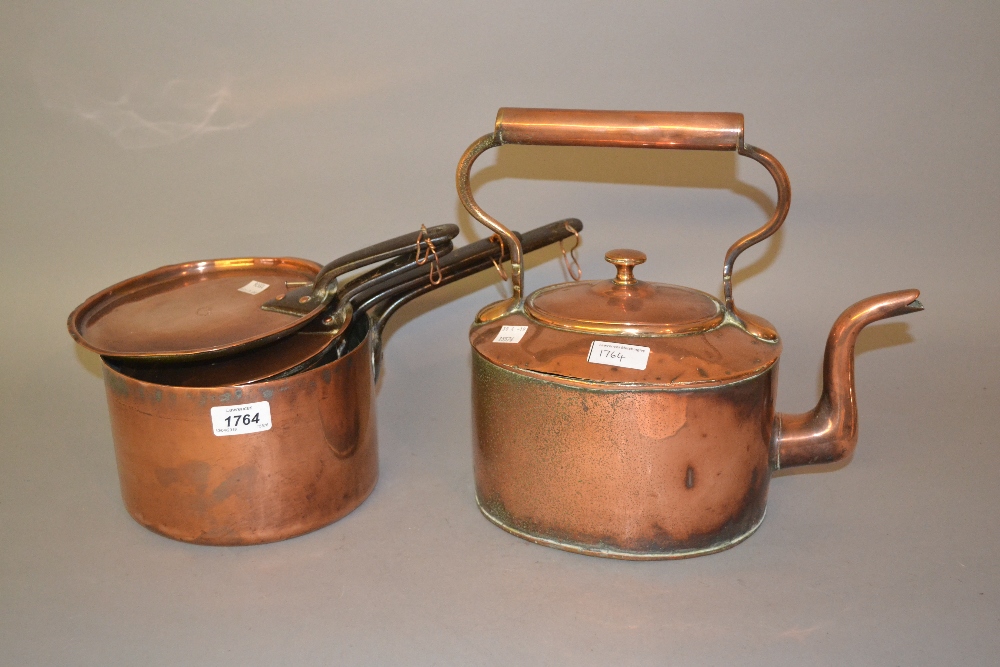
point(254, 287)
point(509, 334)
point(239, 419)
point(618, 354)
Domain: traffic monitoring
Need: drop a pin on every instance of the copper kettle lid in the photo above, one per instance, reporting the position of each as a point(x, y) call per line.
point(685, 337)
point(625, 306)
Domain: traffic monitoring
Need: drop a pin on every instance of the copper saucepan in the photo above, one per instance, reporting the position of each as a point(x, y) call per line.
point(630, 419)
point(252, 463)
point(214, 308)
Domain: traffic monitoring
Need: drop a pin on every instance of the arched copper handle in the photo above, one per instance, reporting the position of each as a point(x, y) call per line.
point(627, 129)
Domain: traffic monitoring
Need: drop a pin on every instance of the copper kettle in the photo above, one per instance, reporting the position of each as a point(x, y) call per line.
point(630, 419)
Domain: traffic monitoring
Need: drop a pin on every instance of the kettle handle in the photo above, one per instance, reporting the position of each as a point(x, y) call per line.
point(718, 131)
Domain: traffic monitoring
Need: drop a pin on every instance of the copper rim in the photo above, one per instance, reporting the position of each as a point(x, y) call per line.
point(191, 309)
point(679, 311)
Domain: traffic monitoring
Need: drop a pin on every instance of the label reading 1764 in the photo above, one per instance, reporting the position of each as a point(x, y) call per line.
point(239, 419)
point(618, 354)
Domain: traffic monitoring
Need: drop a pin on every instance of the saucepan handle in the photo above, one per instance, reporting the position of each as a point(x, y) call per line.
point(413, 242)
point(303, 300)
point(381, 303)
point(624, 129)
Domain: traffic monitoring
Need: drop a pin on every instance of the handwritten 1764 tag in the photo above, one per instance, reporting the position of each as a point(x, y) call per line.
point(618, 354)
point(239, 419)
point(254, 287)
point(510, 334)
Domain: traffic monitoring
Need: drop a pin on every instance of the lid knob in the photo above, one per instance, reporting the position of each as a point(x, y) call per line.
point(624, 259)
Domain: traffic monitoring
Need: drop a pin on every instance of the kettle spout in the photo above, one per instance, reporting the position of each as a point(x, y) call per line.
point(829, 432)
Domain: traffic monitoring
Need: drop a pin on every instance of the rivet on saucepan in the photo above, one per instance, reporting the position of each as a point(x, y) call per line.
point(304, 299)
point(328, 321)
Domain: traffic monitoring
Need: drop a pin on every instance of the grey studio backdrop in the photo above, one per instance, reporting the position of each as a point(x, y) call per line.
point(138, 135)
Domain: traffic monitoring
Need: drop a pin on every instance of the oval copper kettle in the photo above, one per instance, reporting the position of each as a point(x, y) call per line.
point(629, 419)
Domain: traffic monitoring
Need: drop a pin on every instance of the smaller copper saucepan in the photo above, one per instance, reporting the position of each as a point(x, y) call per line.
point(267, 459)
point(214, 308)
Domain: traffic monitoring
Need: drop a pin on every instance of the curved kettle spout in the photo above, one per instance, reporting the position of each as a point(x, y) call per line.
point(829, 431)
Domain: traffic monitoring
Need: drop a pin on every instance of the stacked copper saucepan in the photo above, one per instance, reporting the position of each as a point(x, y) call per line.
point(241, 390)
point(616, 417)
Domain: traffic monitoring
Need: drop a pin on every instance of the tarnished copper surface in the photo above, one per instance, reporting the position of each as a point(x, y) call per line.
point(636, 420)
point(626, 474)
point(613, 468)
point(188, 309)
point(318, 462)
point(829, 432)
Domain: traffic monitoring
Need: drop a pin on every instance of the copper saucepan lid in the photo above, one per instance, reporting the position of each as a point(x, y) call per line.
point(320, 340)
point(205, 309)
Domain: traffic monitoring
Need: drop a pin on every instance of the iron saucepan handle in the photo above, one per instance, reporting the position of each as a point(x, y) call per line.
point(307, 299)
point(627, 129)
point(381, 304)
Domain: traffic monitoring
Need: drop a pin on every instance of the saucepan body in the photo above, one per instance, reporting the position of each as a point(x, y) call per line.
point(248, 464)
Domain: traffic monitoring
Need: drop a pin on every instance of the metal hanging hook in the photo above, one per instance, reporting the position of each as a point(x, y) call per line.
point(496, 238)
point(430, 251)
point(570, 259)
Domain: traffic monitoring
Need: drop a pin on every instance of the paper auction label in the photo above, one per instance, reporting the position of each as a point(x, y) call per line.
point(239, 419)
point(254, 287)
point(510, 334)
point(618, 354)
